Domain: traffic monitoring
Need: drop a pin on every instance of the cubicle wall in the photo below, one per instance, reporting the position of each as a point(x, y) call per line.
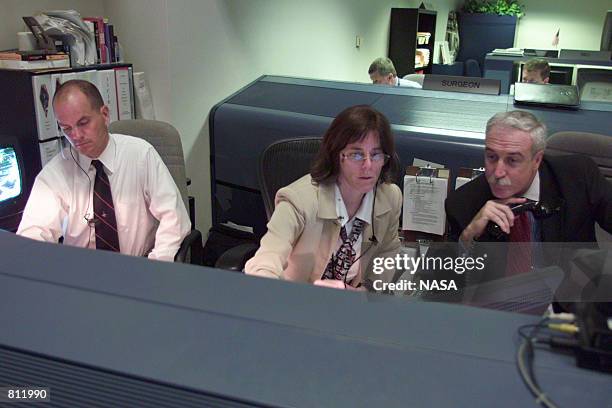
point(508, 70)
point(442, 127)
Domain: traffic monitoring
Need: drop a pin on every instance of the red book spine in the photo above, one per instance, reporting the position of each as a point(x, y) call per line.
point(99, 28)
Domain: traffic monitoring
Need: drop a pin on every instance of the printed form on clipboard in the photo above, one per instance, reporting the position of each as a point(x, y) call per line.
point(425, 190)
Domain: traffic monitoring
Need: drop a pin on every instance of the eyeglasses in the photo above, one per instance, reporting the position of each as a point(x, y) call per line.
point(360, 157)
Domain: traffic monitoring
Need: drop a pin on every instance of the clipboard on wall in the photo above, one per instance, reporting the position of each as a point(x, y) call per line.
point(423, 214)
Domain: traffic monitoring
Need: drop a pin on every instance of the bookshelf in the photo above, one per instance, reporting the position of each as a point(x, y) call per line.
point(26, 111)
point(408, 39)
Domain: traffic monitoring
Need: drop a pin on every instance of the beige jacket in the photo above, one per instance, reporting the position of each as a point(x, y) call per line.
point(304, 230)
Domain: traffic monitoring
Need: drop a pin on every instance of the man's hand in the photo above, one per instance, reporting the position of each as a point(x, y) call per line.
point(496, 211)
point(336, 284)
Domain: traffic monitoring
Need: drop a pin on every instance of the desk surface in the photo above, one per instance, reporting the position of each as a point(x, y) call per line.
point(553, 61)
point(266, 341)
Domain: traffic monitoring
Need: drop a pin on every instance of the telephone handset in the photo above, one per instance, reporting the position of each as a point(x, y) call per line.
point(539, 209)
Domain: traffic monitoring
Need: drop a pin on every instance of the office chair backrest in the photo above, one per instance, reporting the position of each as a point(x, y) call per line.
point(595, 146)
point(165, 139)
point(282, 163)
point(472, 68)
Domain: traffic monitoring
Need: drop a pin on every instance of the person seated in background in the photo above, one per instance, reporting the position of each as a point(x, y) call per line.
point(382, 72)
point(536, 71)
point(518, 170)
point(329, 225)
point(104, 191)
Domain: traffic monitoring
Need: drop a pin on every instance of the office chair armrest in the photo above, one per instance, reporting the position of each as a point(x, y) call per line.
point(193, 242)
point(191, 209)
point(235, 258)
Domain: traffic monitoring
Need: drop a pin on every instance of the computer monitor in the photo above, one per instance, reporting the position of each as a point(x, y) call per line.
point(595, 84)
point(13, 194)
point(10, 174)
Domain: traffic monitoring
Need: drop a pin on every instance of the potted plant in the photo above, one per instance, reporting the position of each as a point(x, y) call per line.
point(499, 7)
point(485, 25)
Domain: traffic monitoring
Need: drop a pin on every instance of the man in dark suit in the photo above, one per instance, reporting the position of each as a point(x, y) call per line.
point(517, 170)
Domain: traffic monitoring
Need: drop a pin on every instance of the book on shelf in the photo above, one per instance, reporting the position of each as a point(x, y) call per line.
point(37, 55)
point(40, 64)
point(423, 38)
point(110, 42)
point(421, 58)
point(99, 31)
point(124, 92)
point(106, 39)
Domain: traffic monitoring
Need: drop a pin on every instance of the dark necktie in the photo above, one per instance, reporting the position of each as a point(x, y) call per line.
point(107, 237)
point(520, 256)
point(343, 259)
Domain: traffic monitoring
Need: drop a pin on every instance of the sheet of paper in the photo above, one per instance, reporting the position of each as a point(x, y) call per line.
point(459, 181)
point(43, 97)
point(48, 150)
point(424, 204)
point(424, 163)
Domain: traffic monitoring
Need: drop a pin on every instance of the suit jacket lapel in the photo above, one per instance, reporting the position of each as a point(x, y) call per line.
point(330, 228)
point(552, 227)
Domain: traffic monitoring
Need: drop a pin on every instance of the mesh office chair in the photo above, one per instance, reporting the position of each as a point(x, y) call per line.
point(167, 141)
point(472, 68)
point(280, 164)
point(596, 147)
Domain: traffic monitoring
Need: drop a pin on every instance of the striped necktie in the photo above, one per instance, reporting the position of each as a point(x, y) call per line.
point(343, 259)
point(107, 237)
point(520, 254)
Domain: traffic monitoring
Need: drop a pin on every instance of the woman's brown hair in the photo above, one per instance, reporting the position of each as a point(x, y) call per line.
point(352, 125)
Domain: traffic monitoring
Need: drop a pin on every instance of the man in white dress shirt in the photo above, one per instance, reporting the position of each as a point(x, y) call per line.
point(145, 212)
point(382, 72)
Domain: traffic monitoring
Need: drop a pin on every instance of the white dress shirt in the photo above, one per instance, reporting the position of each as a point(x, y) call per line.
point(365, 214)
point(533, 192)
point(407, 83)
point(151, 216)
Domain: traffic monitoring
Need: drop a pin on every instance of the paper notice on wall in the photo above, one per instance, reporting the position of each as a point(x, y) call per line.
point(424, 204)
point(43, 97)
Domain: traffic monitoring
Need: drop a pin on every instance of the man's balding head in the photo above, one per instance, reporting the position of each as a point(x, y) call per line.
point(78, 85)
point(82, 117)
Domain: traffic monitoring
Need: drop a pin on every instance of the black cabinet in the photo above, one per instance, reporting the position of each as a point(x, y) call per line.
point(411, 40)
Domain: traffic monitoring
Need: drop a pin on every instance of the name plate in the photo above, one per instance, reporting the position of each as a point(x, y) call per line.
point(450, 83)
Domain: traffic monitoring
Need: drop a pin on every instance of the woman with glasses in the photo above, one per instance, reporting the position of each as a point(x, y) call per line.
point(328, 226)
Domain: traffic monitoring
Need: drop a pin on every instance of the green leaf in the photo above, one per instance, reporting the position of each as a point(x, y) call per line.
point(500, 7)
